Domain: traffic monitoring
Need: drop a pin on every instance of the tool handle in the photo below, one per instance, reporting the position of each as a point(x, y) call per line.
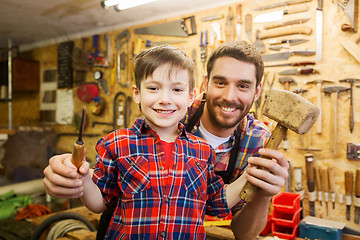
point(286, 23)
point(248, 23)
point(238, 13)
point(331, 179)
point(307, 70)
point(283, 32)
point(317, 178)
point(348, 182)
point(357, 183)
point(78, 154)
point(324, 180)
point(296, 9)
point(303, 63)
point(248, 191)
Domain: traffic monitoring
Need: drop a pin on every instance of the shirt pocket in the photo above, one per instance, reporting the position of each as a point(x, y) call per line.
point(195, 176)
point(134, 175)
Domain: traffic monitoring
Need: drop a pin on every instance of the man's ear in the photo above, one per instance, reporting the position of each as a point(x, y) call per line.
point(136, 94)
point(191, 97)
point(258, 91)
point(204, 84)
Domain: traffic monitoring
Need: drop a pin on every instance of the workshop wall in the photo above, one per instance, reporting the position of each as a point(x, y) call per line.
point(336, 64)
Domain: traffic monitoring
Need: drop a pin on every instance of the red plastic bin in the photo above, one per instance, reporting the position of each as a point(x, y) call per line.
point(284, 232)
point(286, 202)
point(287, 219)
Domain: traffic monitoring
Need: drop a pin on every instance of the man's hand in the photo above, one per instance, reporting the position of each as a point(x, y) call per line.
point(62, 180)
point(272, 177)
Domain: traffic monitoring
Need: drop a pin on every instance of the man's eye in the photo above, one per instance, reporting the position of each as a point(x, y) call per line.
point(220, 83)
point(243, 86)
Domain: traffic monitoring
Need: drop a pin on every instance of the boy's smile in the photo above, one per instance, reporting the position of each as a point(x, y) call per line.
point(164, 98)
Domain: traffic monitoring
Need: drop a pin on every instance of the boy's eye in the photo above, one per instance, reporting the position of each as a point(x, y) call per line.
point(152, 88)
point(178, 90)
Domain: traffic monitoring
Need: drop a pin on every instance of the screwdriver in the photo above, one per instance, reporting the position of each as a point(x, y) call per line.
point(79, 145)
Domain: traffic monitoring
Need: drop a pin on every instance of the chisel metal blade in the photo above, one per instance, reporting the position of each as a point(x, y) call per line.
point(286, 55)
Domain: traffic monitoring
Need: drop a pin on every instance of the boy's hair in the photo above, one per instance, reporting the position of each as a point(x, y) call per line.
point(147, 61)
point(239, 50)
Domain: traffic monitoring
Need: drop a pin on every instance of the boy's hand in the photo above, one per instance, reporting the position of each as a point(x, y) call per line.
point(62, 180)
point(272, 178)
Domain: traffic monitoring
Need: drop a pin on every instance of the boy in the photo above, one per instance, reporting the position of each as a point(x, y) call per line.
point(160, 178)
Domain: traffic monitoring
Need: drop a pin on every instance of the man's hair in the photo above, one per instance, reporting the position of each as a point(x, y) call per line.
point(147, 61)
point(239, 50)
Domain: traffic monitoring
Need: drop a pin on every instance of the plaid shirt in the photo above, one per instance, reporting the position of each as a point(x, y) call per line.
point(254, 135)
point(154, 201)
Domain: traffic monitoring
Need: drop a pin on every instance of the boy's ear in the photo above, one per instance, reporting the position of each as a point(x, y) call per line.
point(136, 94)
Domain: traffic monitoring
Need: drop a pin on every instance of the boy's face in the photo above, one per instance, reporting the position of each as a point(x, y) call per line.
point(230, 92)
point(164, 97)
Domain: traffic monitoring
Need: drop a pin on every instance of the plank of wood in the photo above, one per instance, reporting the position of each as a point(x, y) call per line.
point(352, 48)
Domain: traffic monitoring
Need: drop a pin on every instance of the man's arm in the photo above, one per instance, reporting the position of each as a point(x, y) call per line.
point(251, 220)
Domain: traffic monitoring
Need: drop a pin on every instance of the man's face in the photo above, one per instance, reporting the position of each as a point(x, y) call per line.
point(230, 92)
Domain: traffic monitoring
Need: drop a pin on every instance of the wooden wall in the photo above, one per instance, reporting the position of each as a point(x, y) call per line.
point(336, 64)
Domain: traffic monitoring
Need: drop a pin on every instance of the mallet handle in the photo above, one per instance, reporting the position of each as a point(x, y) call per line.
point(248, 191)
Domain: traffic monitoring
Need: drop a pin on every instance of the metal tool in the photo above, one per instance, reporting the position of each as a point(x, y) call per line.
point(258, 43)
point(229, 26)
point(286, 55)
point(278, 15)
point(319, 83)
point(238, 21)
point(319, 30)
point(309, 161)
point(336, 90)
point(351, 81)
point(357, 197)
point(291, 42)
point(285, 23)
point(177, 28)
point(121, 39)
point(351, 9)
point(348, 192)
point(292, 64)
point(248, 26)
point(203, 47)
point(299, 71)
point(213, 17)
point(331, 178)
point(290, 111)
point(78, 152)
point(280, 4)
point(284, 32)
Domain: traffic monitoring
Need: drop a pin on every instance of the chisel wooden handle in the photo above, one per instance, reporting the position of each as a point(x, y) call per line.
point(78, 154)
point(296, 9)
point(286, 23)
point(331, 179)
point(283, 32)
point(310, 172)
point(349, 183)
point(357, 183)
point(317, 177)
point(324, 180)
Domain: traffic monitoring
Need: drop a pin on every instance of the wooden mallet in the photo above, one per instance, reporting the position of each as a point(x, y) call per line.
point(290, 111)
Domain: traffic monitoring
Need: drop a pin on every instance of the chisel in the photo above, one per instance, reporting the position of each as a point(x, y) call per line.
point(318, 184)
point(79, 146)
point(357, 197)
point(325, 187)
point(348, 192)
point(310, 183)
point(292, 64)
point(332, 185)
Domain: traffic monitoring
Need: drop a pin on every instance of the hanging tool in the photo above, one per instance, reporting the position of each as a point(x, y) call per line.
point(357, 197)
point(284, 32)
point(280, 4)
point(325, 187)
point(258, 43)
point(248, 26)
point(278, 15)
point(213, 17)
point(352, 48)
point(121, 39)
point(299, 71)
point(203, 48)
point(229, 26)
point(298, 186)
point(292, 64)
point(319, 83)
point(289, 110)
point(285, 23)
point(318, 184)
point(348, 192)
point(286, 55)
point(309, 161)
point(319, 30)
point(291, 42)
point(238, 21)
point(351, 9)
point(351, 81)
point(336, 90)
point(332, 185)
point(177, 28)
point(78, 152)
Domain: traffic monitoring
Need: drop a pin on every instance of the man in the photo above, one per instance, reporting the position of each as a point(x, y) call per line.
point(233, 83)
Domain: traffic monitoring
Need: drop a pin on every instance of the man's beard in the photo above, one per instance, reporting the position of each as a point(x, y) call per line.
point(221, 121)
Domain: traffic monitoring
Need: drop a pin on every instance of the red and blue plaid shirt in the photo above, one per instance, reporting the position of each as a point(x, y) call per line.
point(154, 200)
point(254, 135)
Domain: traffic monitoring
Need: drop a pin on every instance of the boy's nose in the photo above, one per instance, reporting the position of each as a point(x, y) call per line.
point(164, 97)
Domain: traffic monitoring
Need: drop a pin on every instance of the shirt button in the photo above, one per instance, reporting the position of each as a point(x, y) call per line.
point(132, 163)
point(163, 234)
point(167, 200)
point(197, 163)
point(162, 168)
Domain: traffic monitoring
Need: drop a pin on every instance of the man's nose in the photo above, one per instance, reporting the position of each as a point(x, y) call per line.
point(230, 93)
